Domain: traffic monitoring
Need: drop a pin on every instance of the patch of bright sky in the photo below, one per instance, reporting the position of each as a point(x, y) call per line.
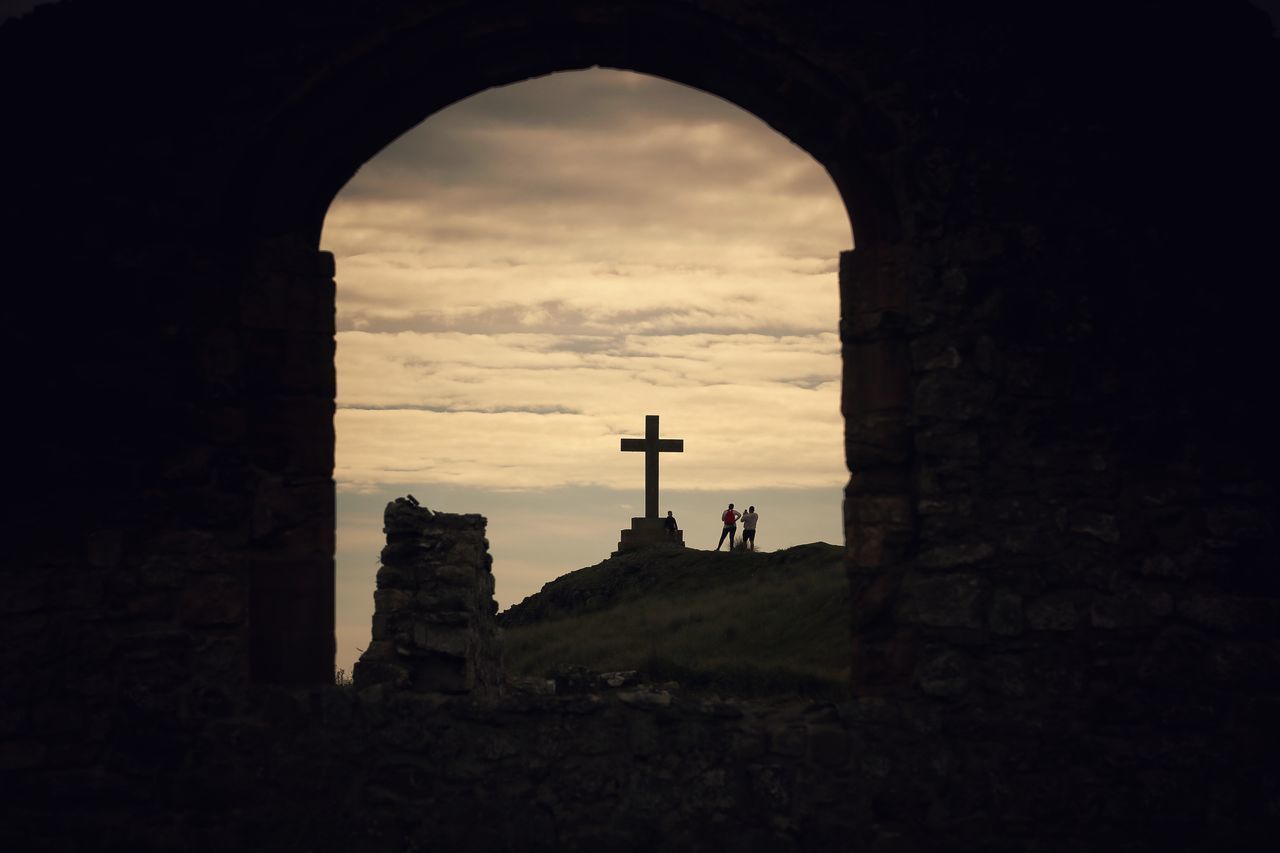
point(528, 273)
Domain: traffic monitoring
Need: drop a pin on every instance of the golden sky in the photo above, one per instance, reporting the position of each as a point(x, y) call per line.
point(528, 273)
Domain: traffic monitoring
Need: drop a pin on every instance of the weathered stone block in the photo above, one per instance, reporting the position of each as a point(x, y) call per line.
point(23, 625)
point(396, 577)
point(1158, 601)
point(392, 600)
point(1120, 611)
point(946, 601)
point(370, 673)
point(872, 594)
point(456, 575)
point(948, 359)
point(1005, 616)
point(1007, 677)
point(224, 425)
point(466, 554)
point(1052, 613)
point(23, 592)
point(465, 616)
point(281, 504)
point(872, 280)
point(214, 600)
point(453, 641)
point(104, 548)
point(1100, 525)
point(293, 301)
point(1230, 614)
point(1026, 539)
point(443, 600)
point(873, 546)
point(829, 747)
point(949, 556)
point(948, 441)
point(876, 438)
point(1163, 566)
point(441, 673)
point(1240, 521)
point(162, 573)
point(403, 516)
point(403, 553)
point(890, 510)
point(379, 650)
point(876, 377)
point(935, 352)
point(294, 435)
point(22, 755)
point(872, 325)
point(957, 505)
point(951, 397)
point(943, 673)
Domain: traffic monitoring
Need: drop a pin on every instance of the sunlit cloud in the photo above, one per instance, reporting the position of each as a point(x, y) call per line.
point(531, 271)
point(530, 450)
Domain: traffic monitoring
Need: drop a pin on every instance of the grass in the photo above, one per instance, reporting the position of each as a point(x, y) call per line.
point(766, 628)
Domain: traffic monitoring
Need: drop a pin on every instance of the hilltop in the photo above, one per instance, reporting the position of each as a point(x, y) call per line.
point(744, 623)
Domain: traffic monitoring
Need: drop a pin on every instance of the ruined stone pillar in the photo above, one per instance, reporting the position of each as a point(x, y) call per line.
point(878, 500)
point(433, 622)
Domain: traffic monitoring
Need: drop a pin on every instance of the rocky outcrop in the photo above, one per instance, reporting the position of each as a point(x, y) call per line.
point(634, 574)
point(433, 625)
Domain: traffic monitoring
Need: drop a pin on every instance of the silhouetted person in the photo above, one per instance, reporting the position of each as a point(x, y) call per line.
point(730, 519)
point(749, 519)
point(670, 524)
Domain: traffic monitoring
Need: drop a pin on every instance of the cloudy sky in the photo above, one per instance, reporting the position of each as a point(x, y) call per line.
point(528, 273)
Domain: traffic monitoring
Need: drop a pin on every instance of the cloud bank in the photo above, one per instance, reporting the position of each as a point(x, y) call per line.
point(531, 271)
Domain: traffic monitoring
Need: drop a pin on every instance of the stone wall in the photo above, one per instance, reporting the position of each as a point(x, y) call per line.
point(433, 625)
point(638, 768)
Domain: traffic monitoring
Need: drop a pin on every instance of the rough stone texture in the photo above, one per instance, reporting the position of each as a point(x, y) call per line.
point(433, 618)
point(1056, 406)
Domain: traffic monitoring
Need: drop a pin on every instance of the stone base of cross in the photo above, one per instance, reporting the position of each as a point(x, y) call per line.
point(647, 532)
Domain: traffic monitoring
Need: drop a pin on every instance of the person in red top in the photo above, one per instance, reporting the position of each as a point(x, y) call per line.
point(730, 519)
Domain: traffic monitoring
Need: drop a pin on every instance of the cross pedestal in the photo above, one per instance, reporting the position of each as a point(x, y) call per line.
point(650, 529)
point(645, 533)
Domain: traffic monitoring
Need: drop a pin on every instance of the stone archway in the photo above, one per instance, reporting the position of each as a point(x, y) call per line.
point(380, 87)
point(1083, 649)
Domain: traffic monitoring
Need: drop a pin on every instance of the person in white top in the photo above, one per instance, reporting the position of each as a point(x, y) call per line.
point(749, 520)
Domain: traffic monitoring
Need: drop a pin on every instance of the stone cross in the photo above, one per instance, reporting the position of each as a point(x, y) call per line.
point(651, 445)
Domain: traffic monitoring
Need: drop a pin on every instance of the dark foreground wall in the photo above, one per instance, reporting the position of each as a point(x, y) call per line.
point(425, 752)
point(1057, 350)
point(639, 768)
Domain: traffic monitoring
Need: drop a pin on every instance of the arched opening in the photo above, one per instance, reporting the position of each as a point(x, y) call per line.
point(524, 275)
point(340, 121)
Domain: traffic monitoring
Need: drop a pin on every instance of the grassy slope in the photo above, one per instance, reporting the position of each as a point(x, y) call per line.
point(751, 624)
